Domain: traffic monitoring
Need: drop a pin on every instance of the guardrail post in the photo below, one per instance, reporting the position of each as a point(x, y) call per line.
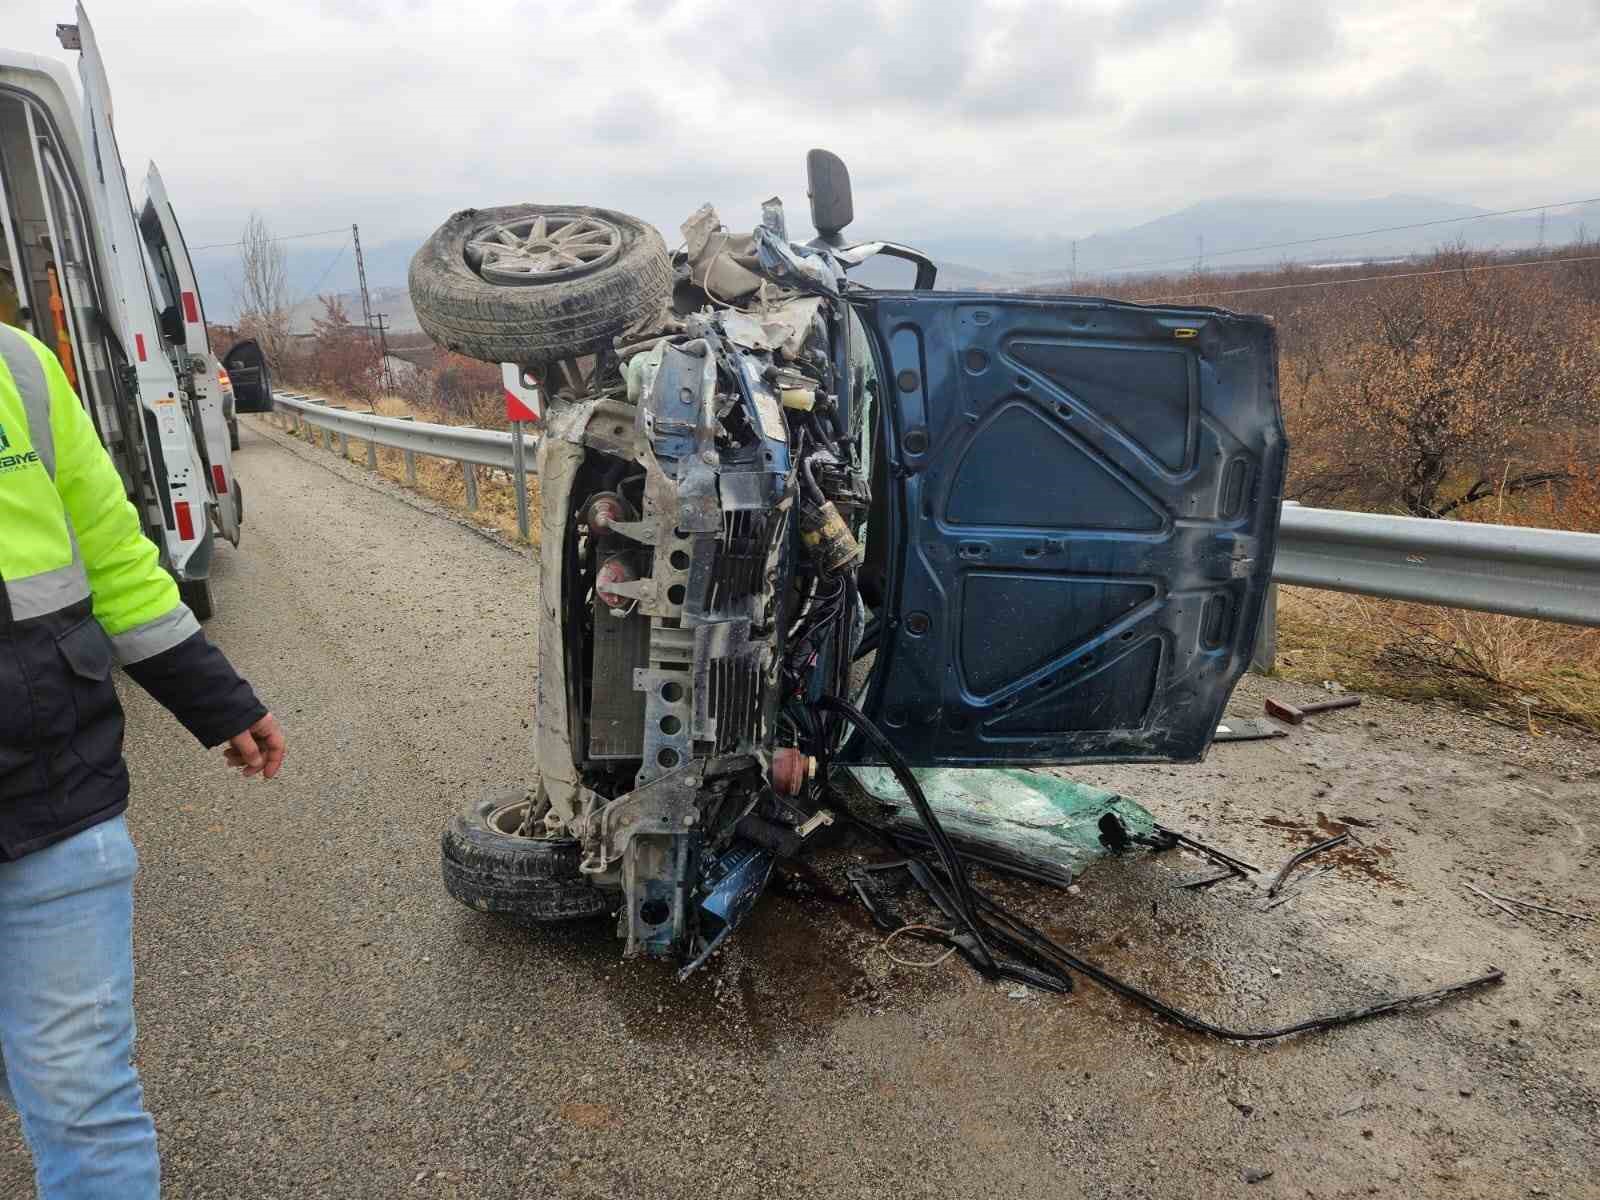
point(344, 444)
point(519, 478)
point(1264, 656)
point(372, 456)
point(411, 467)
point(1263, 661)
point(470, 474)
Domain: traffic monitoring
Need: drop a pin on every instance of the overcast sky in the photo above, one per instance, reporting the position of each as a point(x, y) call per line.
point(1028, 115)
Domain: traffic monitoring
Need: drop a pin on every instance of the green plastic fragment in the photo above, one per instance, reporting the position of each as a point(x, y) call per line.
point(1028, 819)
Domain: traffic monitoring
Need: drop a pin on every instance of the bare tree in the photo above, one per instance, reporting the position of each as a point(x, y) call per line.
point(263, 290)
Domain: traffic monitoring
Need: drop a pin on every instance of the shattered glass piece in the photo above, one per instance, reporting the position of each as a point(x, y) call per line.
point(1037, 823)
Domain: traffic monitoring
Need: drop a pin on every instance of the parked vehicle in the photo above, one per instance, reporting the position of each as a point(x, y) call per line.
point(112, 290)
point(790, 523)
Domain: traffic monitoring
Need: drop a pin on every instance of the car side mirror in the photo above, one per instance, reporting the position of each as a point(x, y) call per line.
point(828, 186)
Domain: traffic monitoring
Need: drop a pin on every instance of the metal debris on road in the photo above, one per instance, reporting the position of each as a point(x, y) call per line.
point(1252, 730)
point(1290, 892)
point(1296, 714)
point(1544, 908)
point(1494, 900)
point(1308, 852)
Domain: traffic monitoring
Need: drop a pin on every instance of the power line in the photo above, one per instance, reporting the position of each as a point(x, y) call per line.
point(287, 237)
point(328, 270)
point(1326, 283)
point(1334, 237)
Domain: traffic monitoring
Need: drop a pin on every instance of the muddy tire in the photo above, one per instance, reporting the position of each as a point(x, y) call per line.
point(510, 304)
point(526, 880)
point(197, 594)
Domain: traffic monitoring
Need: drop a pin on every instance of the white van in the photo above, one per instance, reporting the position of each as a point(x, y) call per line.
point(112, 291)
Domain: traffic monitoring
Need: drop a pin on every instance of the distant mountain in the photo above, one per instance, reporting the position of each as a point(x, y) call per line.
point(1232, 233)
point(1240, 232)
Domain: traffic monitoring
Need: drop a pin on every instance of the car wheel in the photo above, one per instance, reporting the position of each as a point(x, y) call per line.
point(196, 593)
point(530, 880)
point(238, 503)
point(538, 283)
point(233, 434)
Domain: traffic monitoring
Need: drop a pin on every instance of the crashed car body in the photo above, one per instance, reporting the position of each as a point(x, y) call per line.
point(1010, 529)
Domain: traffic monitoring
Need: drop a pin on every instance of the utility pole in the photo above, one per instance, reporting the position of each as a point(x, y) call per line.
point(1073, 285)
point(1199, 253)
point(361, 274)
point(366, 303)
point(384, 371)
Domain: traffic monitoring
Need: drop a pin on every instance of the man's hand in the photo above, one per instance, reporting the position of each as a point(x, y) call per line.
point(258, 750)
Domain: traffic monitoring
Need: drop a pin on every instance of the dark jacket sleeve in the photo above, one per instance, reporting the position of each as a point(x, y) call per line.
point(199, 686)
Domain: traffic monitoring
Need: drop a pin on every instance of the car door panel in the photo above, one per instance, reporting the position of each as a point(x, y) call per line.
point(1084, 509)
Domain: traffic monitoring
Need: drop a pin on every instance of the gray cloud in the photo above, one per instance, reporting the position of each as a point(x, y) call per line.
point(1055, 117)
point(1150, 21)
point(1273, 34)
point(629, 118)
point(1244, 110)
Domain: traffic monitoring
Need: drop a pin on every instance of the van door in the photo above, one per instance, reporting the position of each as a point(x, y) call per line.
point(184, 317)
point(182, 481)
point(1083, 508)
point(252, 380)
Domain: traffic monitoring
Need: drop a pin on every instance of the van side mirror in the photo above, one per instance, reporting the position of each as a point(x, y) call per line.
point(828, 186)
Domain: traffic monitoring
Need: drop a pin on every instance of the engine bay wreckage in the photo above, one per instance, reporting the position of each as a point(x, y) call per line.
point(802, 538)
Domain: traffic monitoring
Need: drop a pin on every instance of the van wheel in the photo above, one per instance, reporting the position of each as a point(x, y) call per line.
point(530, 880)
point(538, 283)
point(196, 593)
point(233, 434)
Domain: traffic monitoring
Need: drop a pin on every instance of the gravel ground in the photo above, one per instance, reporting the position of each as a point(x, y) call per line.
point(318, 1019)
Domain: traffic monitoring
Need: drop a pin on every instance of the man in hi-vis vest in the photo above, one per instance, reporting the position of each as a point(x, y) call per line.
point(81, 588)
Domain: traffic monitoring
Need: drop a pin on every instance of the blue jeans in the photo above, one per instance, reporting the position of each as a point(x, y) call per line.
point(66, 1017)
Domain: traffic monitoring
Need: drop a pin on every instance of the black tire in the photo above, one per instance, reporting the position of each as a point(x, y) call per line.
point(233, 434)
point(528, 880)
point(238, 502)
point(536, 323)
point(196, 593)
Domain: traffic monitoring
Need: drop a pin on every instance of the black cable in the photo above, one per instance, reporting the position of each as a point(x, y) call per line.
point(977, 915)
point(1052, 950)
point(951, 860)
point(813, 492)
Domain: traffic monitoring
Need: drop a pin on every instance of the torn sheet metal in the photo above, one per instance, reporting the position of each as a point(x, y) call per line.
point(784, 327)
point(719, 262)
point(1024, 821)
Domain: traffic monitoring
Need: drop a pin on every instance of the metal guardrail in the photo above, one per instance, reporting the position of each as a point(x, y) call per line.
point(1548, 574)
point(469, 446)
point(1543, 573)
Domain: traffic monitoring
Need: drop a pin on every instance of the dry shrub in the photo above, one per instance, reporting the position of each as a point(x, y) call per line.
point(1511, 668)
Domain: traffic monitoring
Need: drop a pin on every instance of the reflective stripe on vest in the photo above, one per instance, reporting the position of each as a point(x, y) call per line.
point(27, 372)
point(48, 591)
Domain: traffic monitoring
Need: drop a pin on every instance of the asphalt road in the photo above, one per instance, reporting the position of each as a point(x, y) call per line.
point(318, 1019)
